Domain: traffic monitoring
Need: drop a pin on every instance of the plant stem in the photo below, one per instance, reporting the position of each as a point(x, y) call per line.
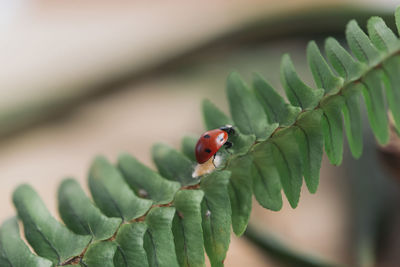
point(279, 251)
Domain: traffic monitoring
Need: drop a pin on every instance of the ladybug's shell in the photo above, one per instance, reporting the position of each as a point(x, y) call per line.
point(209, 143)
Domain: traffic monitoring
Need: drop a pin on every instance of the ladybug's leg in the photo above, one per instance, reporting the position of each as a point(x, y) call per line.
point(228, 145)
point(214, 159)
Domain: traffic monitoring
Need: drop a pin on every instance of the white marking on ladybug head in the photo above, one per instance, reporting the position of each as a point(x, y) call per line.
point(208, 213)
point(221, 138)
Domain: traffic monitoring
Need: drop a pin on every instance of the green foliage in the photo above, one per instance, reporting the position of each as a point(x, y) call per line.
point(48, 237)
point(130, 250)
point(375, 102)
point(173, 165)
point(298, 93)
point(158, 240)
point(352, 118)
point(188, 145)
point(286, 155)
point(111, 193)
point(80, 215)
point(216, 216)
point(247, 112)
point(310, 140)
point(322, 73)
point(332, 128)
point(343, 63)
point(213, 117)
point(139, 177)
point(14, 251)
point(266, 182)
point(188, 233)
point(143, 218)
point(240, 191)
point(100, 254)
point(277, 110)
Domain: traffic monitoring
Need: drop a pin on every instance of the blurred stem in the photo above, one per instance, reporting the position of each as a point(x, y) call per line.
point(282, 253)
point(321, 20)
point(373, 200)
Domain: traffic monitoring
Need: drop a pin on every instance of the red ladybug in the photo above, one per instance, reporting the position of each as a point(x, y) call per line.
point(211, 141)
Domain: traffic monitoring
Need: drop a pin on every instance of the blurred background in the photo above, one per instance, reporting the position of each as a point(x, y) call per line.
point(84, 78)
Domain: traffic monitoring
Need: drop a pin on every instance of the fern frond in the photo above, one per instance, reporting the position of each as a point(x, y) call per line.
point(144, 218)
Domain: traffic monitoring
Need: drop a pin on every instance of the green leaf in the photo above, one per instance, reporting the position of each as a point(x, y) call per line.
point(266, 183)
point(322, 73)
point(274, 105)
point(187, 230)
point(342, 61)
point(298, 93)
point(13, 251)
point(308, 133)
point(216, 214)
point(48, 237)
point(375, 103)
point(145, 181)
point(247, 112)
point(130, 250)
point(173, 165)
point(80, 215)
point(213, 116)
point(241, 143)
point(112, 194)
point(287, 160)
point(352, 119)
point(397, 18)
point(240, 192)
point(332, 127)
point(361, 45)
point(100, 254)
point(381, 36)
point(159, 241)
point(188, 146)
point(391, 80)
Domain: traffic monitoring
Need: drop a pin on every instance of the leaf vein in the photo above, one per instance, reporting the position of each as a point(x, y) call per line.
point(361, 49)
point(330, 132)
point(294, 92)
point(284, 160)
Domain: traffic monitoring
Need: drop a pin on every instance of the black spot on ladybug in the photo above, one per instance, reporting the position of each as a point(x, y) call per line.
point(206, 136)
point(207, 150)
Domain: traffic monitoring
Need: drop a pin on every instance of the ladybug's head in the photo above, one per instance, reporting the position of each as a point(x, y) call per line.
point(228, 129)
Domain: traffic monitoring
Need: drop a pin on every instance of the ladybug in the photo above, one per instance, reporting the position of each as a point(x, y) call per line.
point(211, 141)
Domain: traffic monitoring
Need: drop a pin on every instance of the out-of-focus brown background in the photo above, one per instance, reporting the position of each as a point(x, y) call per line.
point(88, 78)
